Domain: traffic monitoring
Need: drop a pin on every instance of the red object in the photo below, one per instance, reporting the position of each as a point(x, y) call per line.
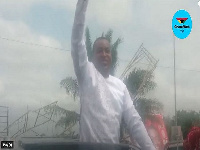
point(192, 142)
point(157, 131)
point(181, 18)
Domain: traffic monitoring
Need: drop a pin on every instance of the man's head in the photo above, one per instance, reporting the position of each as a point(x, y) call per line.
point(102, 57)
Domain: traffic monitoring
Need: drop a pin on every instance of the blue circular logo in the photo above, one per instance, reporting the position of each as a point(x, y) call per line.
point(181, 24)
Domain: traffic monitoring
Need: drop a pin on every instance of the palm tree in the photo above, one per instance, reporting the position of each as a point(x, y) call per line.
point(134, 79)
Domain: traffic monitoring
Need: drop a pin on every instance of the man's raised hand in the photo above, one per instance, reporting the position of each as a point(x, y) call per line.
point(82, 6)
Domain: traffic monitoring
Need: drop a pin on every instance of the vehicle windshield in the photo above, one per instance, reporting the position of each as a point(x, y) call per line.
point(40, 95)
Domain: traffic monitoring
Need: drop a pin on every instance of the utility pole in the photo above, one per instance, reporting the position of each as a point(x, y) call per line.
point(175, 82)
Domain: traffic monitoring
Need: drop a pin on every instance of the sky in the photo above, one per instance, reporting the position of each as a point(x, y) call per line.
point(35, 49)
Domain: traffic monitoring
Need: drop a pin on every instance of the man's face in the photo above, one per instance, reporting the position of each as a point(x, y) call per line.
point(102, 55)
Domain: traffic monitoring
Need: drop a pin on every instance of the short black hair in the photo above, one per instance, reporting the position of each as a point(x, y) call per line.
point(97, 39)
point(100, 38)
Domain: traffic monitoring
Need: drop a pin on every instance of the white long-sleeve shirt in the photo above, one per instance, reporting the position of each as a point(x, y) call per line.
point(104, 101)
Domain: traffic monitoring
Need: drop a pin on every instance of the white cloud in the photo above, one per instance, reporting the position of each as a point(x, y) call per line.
point(110, 13)
point(30, 75)
point(16, 10)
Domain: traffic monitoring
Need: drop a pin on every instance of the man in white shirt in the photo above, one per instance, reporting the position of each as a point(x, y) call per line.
point(104, 99)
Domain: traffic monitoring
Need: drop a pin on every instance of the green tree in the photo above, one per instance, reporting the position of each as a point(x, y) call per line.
point(169, 122)
point(187, 119)
point(146, 107)
point(134, 80)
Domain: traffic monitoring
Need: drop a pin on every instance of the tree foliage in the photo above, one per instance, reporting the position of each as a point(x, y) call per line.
point(71, 86)
point(88, 43)
point(146, 107)
point(187, 119)
point(70, 119)
point(114, 53)
point(134, 80)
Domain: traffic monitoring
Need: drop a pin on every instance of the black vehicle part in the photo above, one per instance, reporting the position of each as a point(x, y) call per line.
point(76, 146)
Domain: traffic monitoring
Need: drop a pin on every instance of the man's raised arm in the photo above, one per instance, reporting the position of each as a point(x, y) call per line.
point(78, 48)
